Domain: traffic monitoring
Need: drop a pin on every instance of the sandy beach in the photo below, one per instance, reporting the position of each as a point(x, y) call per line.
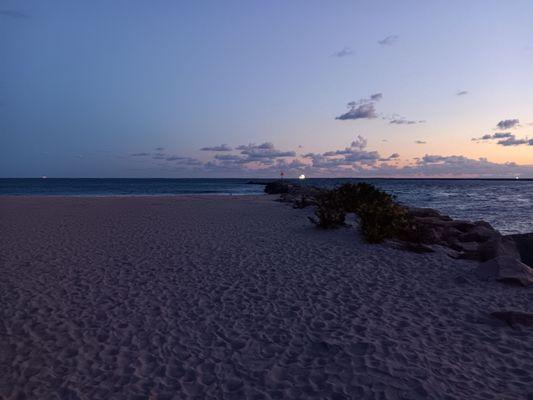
point(229, 297)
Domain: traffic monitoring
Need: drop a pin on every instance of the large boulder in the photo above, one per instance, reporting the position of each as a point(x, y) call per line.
point(496, 246)
point(524, 245)
point(506, 268)
point(480, 232)
point(465, 239)
point(501, 257)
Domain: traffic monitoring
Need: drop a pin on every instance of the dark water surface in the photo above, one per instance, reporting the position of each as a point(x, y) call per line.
point(506, 204)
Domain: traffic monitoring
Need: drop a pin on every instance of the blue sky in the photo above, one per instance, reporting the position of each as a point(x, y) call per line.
point(86, 87)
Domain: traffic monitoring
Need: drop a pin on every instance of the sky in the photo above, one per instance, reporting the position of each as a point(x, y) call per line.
point(252, 88)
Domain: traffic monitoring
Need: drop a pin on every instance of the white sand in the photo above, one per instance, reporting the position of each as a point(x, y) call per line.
point(233, 298)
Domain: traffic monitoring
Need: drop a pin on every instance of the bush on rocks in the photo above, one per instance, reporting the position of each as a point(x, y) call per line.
point(380, 216)
point(382, 220)
point(329, 211)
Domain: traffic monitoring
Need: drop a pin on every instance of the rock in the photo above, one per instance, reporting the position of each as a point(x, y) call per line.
point(277, 187)
point(514, 318)
point(507, 269)
point(484, 224)
point(497, 246)
point(468, 250)
point(423, 212)
point(524, 245)
point(462, 226)
point(478, 233)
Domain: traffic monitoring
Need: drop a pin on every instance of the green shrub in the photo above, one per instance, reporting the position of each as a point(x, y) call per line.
point(354, 196)
point(379, 215)
point(382, 220)
point(329, 211)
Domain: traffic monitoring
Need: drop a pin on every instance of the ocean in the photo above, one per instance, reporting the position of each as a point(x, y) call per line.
point(505, 204)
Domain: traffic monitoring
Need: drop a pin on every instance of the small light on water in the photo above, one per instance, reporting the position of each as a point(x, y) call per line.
point(301, 176)
point(517, 177)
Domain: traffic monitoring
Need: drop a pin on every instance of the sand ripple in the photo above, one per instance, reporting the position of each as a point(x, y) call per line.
point(211, 298)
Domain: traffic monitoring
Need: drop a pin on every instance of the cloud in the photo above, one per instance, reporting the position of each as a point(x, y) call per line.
point(253, 146)
point(263, 151)
point(389, 40)
point(353, 157)
point(229, 157)
point(513, 141)
point(222, 147)
point(497, 135)
point(355, 160)
point(393, 156)
point(252, 157)
point(505, 139)
point(420, 142)
point(175, 158)
point(462, 93)
point(346, 51)
point(430, 165)
point(461, 166)
point(502, 135)
point(13, 14)
point(403, 121)
point(140, 154)
point(159, 149)
point(262, 154)
point(430, 159)
point(359, 143)
point(362, 109)
point(189, 162)
point(508, 123)
point(366, 109)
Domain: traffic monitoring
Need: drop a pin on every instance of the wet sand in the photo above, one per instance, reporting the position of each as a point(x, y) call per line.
point(239, 297)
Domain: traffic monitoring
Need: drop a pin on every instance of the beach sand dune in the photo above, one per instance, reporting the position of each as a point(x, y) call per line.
point(239, 297)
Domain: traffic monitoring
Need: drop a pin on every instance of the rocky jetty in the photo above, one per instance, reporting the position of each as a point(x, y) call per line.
point(293, 193)
point(498, 255)
point(503, 258)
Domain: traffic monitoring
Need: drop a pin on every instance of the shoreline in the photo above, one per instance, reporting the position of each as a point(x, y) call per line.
point(477, 200)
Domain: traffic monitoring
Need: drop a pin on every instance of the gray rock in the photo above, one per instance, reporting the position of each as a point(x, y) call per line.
point(478, 233)
point(506, 268)
point(524, 244)
point(497, 246)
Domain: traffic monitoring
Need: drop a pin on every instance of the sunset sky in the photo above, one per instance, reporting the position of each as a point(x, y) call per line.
point(251, 88)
